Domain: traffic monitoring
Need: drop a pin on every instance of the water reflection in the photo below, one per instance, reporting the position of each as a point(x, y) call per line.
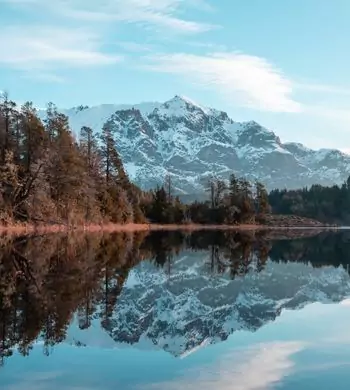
point(167, 291)
point(253, 368)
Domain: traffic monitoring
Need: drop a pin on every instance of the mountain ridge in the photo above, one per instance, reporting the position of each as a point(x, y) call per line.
point(189, 308)
point(191, 142)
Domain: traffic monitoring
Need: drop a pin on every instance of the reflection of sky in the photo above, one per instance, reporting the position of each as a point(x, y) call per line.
point(306, 349)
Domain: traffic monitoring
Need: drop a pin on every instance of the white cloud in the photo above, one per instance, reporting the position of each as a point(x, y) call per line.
point(207, 46)
point(45, 47)
point(43, 76)
point(332, 89)
point(337, 115)
point(242, 79)
point(135, 46)
point(149, 13)
point(37, 50)
point(256, 368)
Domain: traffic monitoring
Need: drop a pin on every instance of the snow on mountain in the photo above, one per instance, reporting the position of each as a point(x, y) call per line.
point(191, 142)
point(96, 116)
point(190, 308)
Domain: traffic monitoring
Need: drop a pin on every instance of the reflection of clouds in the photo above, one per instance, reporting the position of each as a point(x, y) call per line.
point(44, 386)
point(342, 338)
point(42, 381)
point(35, 380)
point(325, 366)
point(256, 368)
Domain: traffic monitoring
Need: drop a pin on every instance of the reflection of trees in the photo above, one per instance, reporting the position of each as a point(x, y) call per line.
point(228, 250)
point(232, 250)
point(323, 249)
point(46, 280)
point(236, 252)
point(241, 252)
point(162, 246)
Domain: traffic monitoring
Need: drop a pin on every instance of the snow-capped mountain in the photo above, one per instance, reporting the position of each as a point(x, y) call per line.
point(191, 142)
point(189, 307)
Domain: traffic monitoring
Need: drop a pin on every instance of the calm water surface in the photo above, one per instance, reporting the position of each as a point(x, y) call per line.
point(174, 311)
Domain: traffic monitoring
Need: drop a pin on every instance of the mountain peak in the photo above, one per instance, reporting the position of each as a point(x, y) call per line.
point(186, 100)
point(190, 142)
point(180, 102)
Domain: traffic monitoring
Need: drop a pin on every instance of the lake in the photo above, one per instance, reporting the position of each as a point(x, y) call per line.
point(172, 310)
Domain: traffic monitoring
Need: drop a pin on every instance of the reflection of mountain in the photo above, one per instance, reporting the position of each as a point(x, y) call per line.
point(171, 291)
point(190, 307)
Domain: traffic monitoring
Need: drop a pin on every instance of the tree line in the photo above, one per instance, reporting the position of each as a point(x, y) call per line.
point(46, 175)
point(326, 204)
point(235, 202)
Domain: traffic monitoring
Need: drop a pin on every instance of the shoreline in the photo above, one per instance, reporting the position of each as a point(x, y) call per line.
point(132, 227)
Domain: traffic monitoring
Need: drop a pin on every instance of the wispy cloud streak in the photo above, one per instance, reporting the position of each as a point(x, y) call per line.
point(242, 79)
point(155, 14)
point(46, 47)
point(257, 368)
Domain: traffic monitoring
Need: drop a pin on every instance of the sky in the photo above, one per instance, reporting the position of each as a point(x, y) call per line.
point(278, 355)
point(284, 64)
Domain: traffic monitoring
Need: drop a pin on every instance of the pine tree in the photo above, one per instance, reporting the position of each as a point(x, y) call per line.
point(33, 142)
point(117, 188)
point(160, 206)
point(220, 189)
point(88, 147)
point(168, 187)
point(107, 148)
point(234, 191)
point(216, 189)
point(246, 202)
point(7, 115)
point(50, 121)
point(262, 200)
point(66, 169)
point(178, 211)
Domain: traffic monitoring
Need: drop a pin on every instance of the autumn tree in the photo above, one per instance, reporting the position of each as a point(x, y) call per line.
point(117, 192)
point(10, 187)
point(66, 168)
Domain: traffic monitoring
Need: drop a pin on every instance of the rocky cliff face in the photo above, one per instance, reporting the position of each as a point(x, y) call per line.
point(191, 142)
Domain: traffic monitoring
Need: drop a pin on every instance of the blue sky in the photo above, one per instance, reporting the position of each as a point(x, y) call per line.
point(292, 358)
point(284, 64)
